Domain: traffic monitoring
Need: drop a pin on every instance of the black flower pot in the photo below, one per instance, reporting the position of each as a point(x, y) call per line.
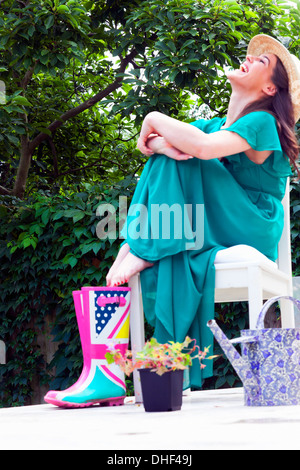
point(162, 392)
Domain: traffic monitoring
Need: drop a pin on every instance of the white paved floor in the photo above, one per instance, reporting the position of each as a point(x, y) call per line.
point(207, 420)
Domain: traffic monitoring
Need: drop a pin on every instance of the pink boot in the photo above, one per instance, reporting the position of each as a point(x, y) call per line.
point(103, 318)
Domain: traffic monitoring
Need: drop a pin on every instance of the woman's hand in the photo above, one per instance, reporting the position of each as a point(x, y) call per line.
point(176, 134)
point(150, 142)
point(147, 131)
point(174, 153)
point(158, 144)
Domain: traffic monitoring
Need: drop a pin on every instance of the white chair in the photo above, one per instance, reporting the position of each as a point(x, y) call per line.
point(2, 353)
point(296, 294)
point(242, 274)
point(296, 287)
point(137, 330)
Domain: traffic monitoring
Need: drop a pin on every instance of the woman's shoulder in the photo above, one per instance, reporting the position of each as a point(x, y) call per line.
point(257, 118)
point(259, 128)
point(260, 124)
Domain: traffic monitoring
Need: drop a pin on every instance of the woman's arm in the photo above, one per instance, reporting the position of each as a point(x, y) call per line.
point(158, 144)
point(190, 140)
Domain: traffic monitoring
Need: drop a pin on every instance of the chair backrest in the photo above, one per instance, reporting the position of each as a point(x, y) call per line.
point(284, 260)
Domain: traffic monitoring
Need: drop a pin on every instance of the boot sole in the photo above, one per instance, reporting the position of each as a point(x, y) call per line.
point(117, 401)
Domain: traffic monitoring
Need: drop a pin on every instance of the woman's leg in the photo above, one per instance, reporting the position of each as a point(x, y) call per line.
point(123, 252)
point(150, 189)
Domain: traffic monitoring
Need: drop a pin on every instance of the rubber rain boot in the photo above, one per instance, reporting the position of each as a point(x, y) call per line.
point(103, 319)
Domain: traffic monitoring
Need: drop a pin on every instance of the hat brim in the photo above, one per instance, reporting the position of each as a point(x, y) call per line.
point(264, 44)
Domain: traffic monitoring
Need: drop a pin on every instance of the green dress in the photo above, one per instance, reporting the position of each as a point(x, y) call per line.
point(233, 201)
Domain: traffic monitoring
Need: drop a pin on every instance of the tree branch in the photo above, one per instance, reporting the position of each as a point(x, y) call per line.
point(71, 113)
point(91, 165)
point(86, 167)
point(4, 191)
point(27, 77)
point(23, 168)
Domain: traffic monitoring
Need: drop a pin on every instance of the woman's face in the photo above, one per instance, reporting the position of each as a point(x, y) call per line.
point(255, 74)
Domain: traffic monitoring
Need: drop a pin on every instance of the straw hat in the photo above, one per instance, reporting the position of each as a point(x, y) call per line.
point(263, 44)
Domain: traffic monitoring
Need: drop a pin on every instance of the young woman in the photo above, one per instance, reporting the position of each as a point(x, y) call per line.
point(235, 169)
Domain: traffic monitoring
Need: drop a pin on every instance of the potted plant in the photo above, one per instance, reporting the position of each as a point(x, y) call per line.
point(161, 369)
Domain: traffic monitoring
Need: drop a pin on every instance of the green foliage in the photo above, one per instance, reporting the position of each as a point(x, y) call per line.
point(41, 38)
point(48, 248)
point(80, 76)
point(56, 63)
point(194, 42)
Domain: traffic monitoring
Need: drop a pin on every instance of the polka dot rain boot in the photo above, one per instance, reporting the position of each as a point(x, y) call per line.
point(103, 318)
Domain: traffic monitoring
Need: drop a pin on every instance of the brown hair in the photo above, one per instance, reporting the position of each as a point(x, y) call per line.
point(280, 106)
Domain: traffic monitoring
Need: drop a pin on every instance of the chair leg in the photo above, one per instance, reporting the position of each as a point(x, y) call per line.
point(2, 353)
point(255, 295)
point(137, 330)
point(256, 301)
point(287, 314)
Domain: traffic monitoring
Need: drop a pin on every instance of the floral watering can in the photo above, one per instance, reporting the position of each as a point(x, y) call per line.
point(270, 363)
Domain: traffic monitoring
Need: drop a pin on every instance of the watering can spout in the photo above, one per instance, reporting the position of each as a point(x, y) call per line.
point(241, 367)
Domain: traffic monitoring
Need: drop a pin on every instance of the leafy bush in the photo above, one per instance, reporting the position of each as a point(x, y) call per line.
point(48, 248)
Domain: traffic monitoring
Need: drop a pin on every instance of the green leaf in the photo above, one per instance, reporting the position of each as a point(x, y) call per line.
point(59, 215)
point(76, 214)
point(44, 59)
point(49, 22)
point(13, 108)
point(13, 139)
point(63, 9)
point(70, 259)
point(79, 231)
point(31, 30)
point(171, 17)
point(21, 100)
point(44, 130)
point(80, 215)
point(187, 43)
point(46, 216)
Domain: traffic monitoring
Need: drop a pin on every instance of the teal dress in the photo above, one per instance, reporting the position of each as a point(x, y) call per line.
point(208, 205)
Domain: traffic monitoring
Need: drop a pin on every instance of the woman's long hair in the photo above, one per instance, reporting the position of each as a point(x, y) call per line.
point(280, 106)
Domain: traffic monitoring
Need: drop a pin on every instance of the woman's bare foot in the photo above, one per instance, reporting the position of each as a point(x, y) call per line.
point(123, 252)
point(130, 266)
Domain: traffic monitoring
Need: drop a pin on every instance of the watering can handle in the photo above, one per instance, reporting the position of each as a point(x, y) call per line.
point(267, 305)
